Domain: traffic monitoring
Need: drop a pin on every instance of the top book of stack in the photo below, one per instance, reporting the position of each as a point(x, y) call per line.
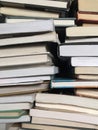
point(52, 4)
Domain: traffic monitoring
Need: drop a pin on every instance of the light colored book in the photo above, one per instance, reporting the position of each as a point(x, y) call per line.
point(25, 60)
point(62, 123)
point(73, 83)
point(71, 100)
point(26, 89)
point(91, 93)
point(28, 13)
point(66, 108)
point(42, 3)
point(46, 37)
point(87, 77)
point(59, 22)
point(27, 27)
point(88, 5)
point(28, 71)
point(82, 31)
point(14, 114)
point(15, 106)
point(84, 61)
point(77, 117)
point(25, 50)
point(18, 98)
point(90, 70)
point(20, 80)
point(79, 49)
point(44, 127)
point(24, 118)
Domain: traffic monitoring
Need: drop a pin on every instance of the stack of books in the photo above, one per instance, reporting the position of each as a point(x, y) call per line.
point(26, 66)
point(20, 11)
point(82, 46)
point(63, 112)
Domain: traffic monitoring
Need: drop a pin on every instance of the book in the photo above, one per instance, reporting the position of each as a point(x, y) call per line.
point(71, 100)
point(87, 77)
point(84, 61)
point(12, 114)
point(15, 106)
point(23, 50)
point(82, 31)
point(77, 117)
point(18, 98)
point(25, 60)
point(20, 80)
point(79, 49)
point(28, 13)
point(24, 118)
point(44, 127)
point(73, 83)
point(66, 108)
point(88, 5)
point(87, 17)
point(87, 70)
point(62, 123)
point(91, 93)
point(58, 22)
point(83, 41)
point(42, 38)
point(42, 4)
point(31, 27)
point(28, 71)
point(25, 89)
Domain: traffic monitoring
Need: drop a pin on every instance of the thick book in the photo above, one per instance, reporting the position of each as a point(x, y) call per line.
point(44, 127)
point(86, 70)
point(82, 31)
point(87, 17)
point(24, 118)
point(23, 50)
point(27, 12)
point(62, 123)
point(15, 106)
point(41, 4)
point(78, 49)
point(77, 117)
point(14, 114)
point(87, 76)
point(18, 98)
point(27, 27)
point(16, 81)
point(73, 83)
point(88, 5)
point(28, 71)
point(91, 93)
point(58, 22)
point(26, 89)
point(25, 60)
point(66, 108)
point(84, 61)
point(21, 40)
point(71, 100)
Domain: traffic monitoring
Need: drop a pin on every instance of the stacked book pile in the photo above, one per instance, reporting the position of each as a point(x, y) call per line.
point(20, 11)
point(63, 112)
point(26, 66)
point(81, 46)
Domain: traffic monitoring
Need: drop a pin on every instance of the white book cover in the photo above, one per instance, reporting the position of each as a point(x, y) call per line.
point(27, 27)
point(84, 61)
point(30, 71)
point(18, 98)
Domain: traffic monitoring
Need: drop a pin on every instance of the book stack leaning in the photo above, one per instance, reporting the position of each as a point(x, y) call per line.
point(82, 47)
point(26, 66)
